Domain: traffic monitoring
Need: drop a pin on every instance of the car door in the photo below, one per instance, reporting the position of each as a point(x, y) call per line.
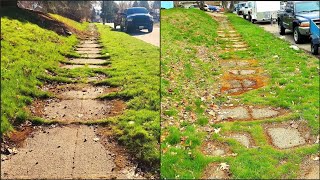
point(288, 16)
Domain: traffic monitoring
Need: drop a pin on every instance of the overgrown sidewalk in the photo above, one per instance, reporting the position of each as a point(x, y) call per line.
point(226, 110)
point(75, 93)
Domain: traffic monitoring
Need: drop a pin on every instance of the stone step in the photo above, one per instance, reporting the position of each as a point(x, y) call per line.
point(88, 61)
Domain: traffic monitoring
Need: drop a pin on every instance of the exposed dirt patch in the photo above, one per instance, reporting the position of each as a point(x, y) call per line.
point(309, 168)
point(213, 171)
point(243, 83)
point(17, 137)
point(215, 148)
point(76, 109)
point(121, 157)
point(289, 134)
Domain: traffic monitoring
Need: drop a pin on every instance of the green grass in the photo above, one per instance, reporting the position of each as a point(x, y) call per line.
point(186, 78)
point(135, 67)
point(27, 51)
point(79, 26)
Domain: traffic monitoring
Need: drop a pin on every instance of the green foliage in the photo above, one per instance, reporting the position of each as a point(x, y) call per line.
point(70, 22)
point(293, 84)
point(26, 52)
point(135, 67)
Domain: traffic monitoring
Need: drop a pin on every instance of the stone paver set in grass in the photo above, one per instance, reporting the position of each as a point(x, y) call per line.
point(241, 76)
point(72, 151)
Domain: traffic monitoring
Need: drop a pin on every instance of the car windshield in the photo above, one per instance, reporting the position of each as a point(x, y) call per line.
point(307, 6)
point(137, 10)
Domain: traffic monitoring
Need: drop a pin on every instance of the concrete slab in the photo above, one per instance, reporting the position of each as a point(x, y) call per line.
point(71, 110)
point(260, 113)
point(88, 42)
point(89, 45)
point(284, 138)
point(235, 83)
point(236, 113)
point(60, 153)
point(73, 66)
point(248, 83)
point(91, 55)
point(88, 61)
point(78, 91)
point(96, 51)
point(247, 72)
point(242, 139)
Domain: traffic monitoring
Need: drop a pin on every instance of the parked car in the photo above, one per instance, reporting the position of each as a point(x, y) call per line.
point(264, 11)
point(194, 6)
point(296, 17)
point(134, 18)
point(213, 8)
point(315, 36)
point(239, 8)
point(247, 9)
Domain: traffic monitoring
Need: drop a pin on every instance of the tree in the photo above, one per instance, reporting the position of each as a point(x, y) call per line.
point(144, 4)
point(176, 3)
point(201, 4)
point(135, 4)
point(156, 5)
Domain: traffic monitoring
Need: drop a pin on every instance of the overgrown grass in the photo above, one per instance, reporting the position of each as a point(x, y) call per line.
point(135, 67)
point(27, 51)
point(293, 84)
point(79, 26)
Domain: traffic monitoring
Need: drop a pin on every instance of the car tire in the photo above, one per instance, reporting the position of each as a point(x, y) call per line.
point(244, 17)
point(150, 29)
point(297, 37)
point(314, 49)
point(282, 30)
point(250, 18)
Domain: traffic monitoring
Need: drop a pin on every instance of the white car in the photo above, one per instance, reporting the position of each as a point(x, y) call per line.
point(247, 9)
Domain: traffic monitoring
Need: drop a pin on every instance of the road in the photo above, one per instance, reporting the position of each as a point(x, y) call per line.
point(288, 36)
point(152, 38)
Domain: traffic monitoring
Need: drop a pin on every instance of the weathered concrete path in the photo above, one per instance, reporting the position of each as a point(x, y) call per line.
point(72, 151)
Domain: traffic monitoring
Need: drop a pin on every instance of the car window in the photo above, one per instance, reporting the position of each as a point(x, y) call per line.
point(307, 6)
point(137, 10)
point(250, 4)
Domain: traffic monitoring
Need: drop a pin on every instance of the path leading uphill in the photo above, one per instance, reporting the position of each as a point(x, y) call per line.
point(68, 149)
point(240, 76)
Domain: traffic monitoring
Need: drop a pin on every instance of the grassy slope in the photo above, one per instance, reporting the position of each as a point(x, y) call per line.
point(294, 84)
point(182, 33)
point(27, 50)
point(135, 67)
